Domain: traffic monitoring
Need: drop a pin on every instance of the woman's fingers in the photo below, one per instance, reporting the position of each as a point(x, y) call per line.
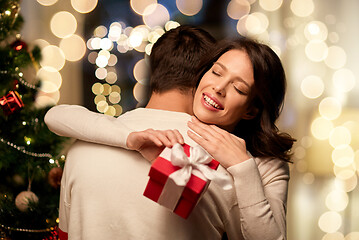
point(199, 140)
point(204, 130)
point(167, 137)
point(179, 136)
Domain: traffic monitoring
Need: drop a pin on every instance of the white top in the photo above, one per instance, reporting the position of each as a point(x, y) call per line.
point(102, 186)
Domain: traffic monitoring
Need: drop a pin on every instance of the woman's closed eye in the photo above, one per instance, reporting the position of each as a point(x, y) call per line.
point(216, 73)
point(238, 89)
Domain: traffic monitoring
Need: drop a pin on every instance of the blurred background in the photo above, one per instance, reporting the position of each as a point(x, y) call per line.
point(94, 53)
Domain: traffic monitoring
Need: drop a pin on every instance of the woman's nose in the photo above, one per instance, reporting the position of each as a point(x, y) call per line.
point(220, 89)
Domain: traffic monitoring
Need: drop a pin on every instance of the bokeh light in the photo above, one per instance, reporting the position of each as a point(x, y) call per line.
point(100, 31)
point(352, 236)
point(114, 97)
point(155, 15)
point(238, 8)
point(112, 60)
point(347, 171)
point(270, 5)
point(51, 79)
point(111, 77)
point(63, 24)
point(101, 61)
point(106, 44)
point(171, 25)
point(107, 89)
point(330, 108)
point(308, 178)
point(330, 222)
point(115, 31)
point(99, 98)
point(102, 106)
point(337, 200)
point(141, 71)
point(111, 111)
point(336, 57)
point(312, 86)
point(101, 73)
point(139, 91)
point(47, 2)
point(74, 47)
point(52, 56)
point(321, 128)
point(139, 6)
point(302, 8)
point(84, 6)
point(333, 236)
point(135, 39)
point(344, 80)
point(250, 25)
point(316, 30)
point(339, 137)
point(343, 156)
point(316, 50)
point(189, 7)
point(346, 181)
point(97, 88)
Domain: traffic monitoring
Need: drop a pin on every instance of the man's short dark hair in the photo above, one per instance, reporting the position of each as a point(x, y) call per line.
point(175, 56)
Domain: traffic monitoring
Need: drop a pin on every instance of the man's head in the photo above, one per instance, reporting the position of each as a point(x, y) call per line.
point(175, 56)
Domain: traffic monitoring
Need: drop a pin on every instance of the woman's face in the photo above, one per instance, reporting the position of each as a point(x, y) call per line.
point(223, 92)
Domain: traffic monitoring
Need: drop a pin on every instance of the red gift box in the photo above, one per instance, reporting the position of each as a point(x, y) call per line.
point(11, 102)
point(163, 190)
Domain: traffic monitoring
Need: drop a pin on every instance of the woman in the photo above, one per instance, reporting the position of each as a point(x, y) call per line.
point(241, 91)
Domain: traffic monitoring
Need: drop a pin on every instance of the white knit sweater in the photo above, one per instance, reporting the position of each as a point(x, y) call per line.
point(102, 186)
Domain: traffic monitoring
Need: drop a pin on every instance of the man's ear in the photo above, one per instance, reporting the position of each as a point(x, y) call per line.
point(251, 113)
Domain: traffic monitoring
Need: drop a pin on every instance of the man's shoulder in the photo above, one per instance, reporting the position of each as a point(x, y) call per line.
point(144, 118)
point(148, 113)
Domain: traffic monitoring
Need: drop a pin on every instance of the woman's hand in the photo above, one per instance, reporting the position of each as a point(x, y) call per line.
point(150, 143)
point(223, 146)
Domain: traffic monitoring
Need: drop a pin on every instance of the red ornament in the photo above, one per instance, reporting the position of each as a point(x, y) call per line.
point(16, 84)
point(11, 102)
point(55, 176)
point(19, 45)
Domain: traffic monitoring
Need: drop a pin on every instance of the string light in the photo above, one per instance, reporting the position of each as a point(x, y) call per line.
point(22, 149)
point(27, 230)
point(19, 77)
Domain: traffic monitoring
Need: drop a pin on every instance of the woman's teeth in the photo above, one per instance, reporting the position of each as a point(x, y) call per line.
point(210, 102)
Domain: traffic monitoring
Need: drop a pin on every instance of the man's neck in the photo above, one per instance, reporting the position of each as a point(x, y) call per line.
point(172, 100)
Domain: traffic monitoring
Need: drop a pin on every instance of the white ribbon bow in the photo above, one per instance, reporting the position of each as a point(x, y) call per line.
point(197, 160)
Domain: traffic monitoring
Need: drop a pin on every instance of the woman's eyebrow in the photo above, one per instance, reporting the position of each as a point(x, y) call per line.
point(238, 78)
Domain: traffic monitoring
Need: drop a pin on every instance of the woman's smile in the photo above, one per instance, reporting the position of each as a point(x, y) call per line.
point(211, 103)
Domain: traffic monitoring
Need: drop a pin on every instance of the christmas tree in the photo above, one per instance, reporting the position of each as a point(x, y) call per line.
point(30, 160)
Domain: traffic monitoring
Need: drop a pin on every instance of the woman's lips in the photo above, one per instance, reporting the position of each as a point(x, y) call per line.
point(211, 102)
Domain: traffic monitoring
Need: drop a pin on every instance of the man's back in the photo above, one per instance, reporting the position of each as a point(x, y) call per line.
point(112, 188)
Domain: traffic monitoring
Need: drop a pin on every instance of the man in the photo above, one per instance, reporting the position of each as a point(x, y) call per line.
point(101, 189)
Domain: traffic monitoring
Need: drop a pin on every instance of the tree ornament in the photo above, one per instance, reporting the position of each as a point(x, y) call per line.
point(23, 199)
point(18, 45)
point(55, 176)
point(15, 84)
point(11, 102)
point(15, 9)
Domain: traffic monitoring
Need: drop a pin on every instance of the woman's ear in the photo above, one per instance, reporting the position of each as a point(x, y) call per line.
point(251, 113)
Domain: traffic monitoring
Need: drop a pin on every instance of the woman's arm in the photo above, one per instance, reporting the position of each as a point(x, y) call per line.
point(260, 187)
point(261, 191)
point(80, 123)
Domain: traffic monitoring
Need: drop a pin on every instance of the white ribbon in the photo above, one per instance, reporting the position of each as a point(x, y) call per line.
point(198, 159)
